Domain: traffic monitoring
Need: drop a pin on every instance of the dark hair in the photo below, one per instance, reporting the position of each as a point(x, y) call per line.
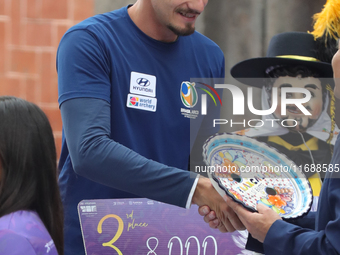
point(291, 70)
point(326, 47)
point(275, 72)
point(28, 165)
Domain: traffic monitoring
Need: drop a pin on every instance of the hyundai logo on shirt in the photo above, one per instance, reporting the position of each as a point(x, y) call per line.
point(143, 84)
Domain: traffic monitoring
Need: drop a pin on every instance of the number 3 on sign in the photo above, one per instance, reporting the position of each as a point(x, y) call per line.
point(118, 234)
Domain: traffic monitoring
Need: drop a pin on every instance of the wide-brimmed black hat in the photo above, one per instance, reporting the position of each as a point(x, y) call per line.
point(289, 48)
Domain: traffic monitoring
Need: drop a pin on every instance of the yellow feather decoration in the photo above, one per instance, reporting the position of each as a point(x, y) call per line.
point(327, 22)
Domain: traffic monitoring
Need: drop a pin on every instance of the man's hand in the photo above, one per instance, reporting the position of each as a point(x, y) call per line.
point(205, 194)
point(257, 224)
point(209, 216)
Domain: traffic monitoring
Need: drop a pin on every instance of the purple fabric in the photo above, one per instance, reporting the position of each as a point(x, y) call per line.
point(23, 232)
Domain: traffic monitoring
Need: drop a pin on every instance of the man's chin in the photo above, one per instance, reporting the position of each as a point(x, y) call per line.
point(188, 30)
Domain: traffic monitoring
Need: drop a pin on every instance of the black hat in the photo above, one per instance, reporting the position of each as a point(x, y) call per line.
point(289, 48)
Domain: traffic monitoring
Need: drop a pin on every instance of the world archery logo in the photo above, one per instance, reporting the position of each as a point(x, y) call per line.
point(189, 95)
point(134, 101)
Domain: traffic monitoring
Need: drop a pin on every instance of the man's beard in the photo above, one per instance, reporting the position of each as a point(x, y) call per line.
point(188, 30)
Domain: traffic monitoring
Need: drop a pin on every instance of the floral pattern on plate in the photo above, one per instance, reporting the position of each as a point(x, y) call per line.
point(251, 172)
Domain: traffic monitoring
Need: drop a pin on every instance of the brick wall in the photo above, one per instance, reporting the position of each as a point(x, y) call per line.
point(30, 31)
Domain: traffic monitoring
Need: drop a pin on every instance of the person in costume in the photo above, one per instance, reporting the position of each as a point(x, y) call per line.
point(318, 232)
point(291, 61)
point(307, 140)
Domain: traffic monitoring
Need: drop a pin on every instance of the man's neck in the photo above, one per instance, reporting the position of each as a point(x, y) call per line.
point(144, 17)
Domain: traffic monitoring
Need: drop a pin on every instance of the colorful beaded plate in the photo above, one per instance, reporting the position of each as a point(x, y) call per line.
point(251, 172)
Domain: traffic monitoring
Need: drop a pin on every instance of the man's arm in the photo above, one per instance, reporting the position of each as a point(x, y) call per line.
point(94, 155)
point(97, 157)
point(280, 237)
point(307, 222)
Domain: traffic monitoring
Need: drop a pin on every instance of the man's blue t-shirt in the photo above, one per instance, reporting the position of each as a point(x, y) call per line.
point(142, 93)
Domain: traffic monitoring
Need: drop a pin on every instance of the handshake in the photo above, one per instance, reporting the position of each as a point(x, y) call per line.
point(228, 216)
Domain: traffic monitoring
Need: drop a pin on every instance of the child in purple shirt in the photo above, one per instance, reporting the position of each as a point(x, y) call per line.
point(31, 216)
point(22, 232)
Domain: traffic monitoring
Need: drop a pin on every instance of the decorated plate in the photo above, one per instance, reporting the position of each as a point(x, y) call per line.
point(251, 172)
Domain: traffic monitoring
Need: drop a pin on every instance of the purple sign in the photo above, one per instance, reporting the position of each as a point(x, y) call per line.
point(143, 226)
